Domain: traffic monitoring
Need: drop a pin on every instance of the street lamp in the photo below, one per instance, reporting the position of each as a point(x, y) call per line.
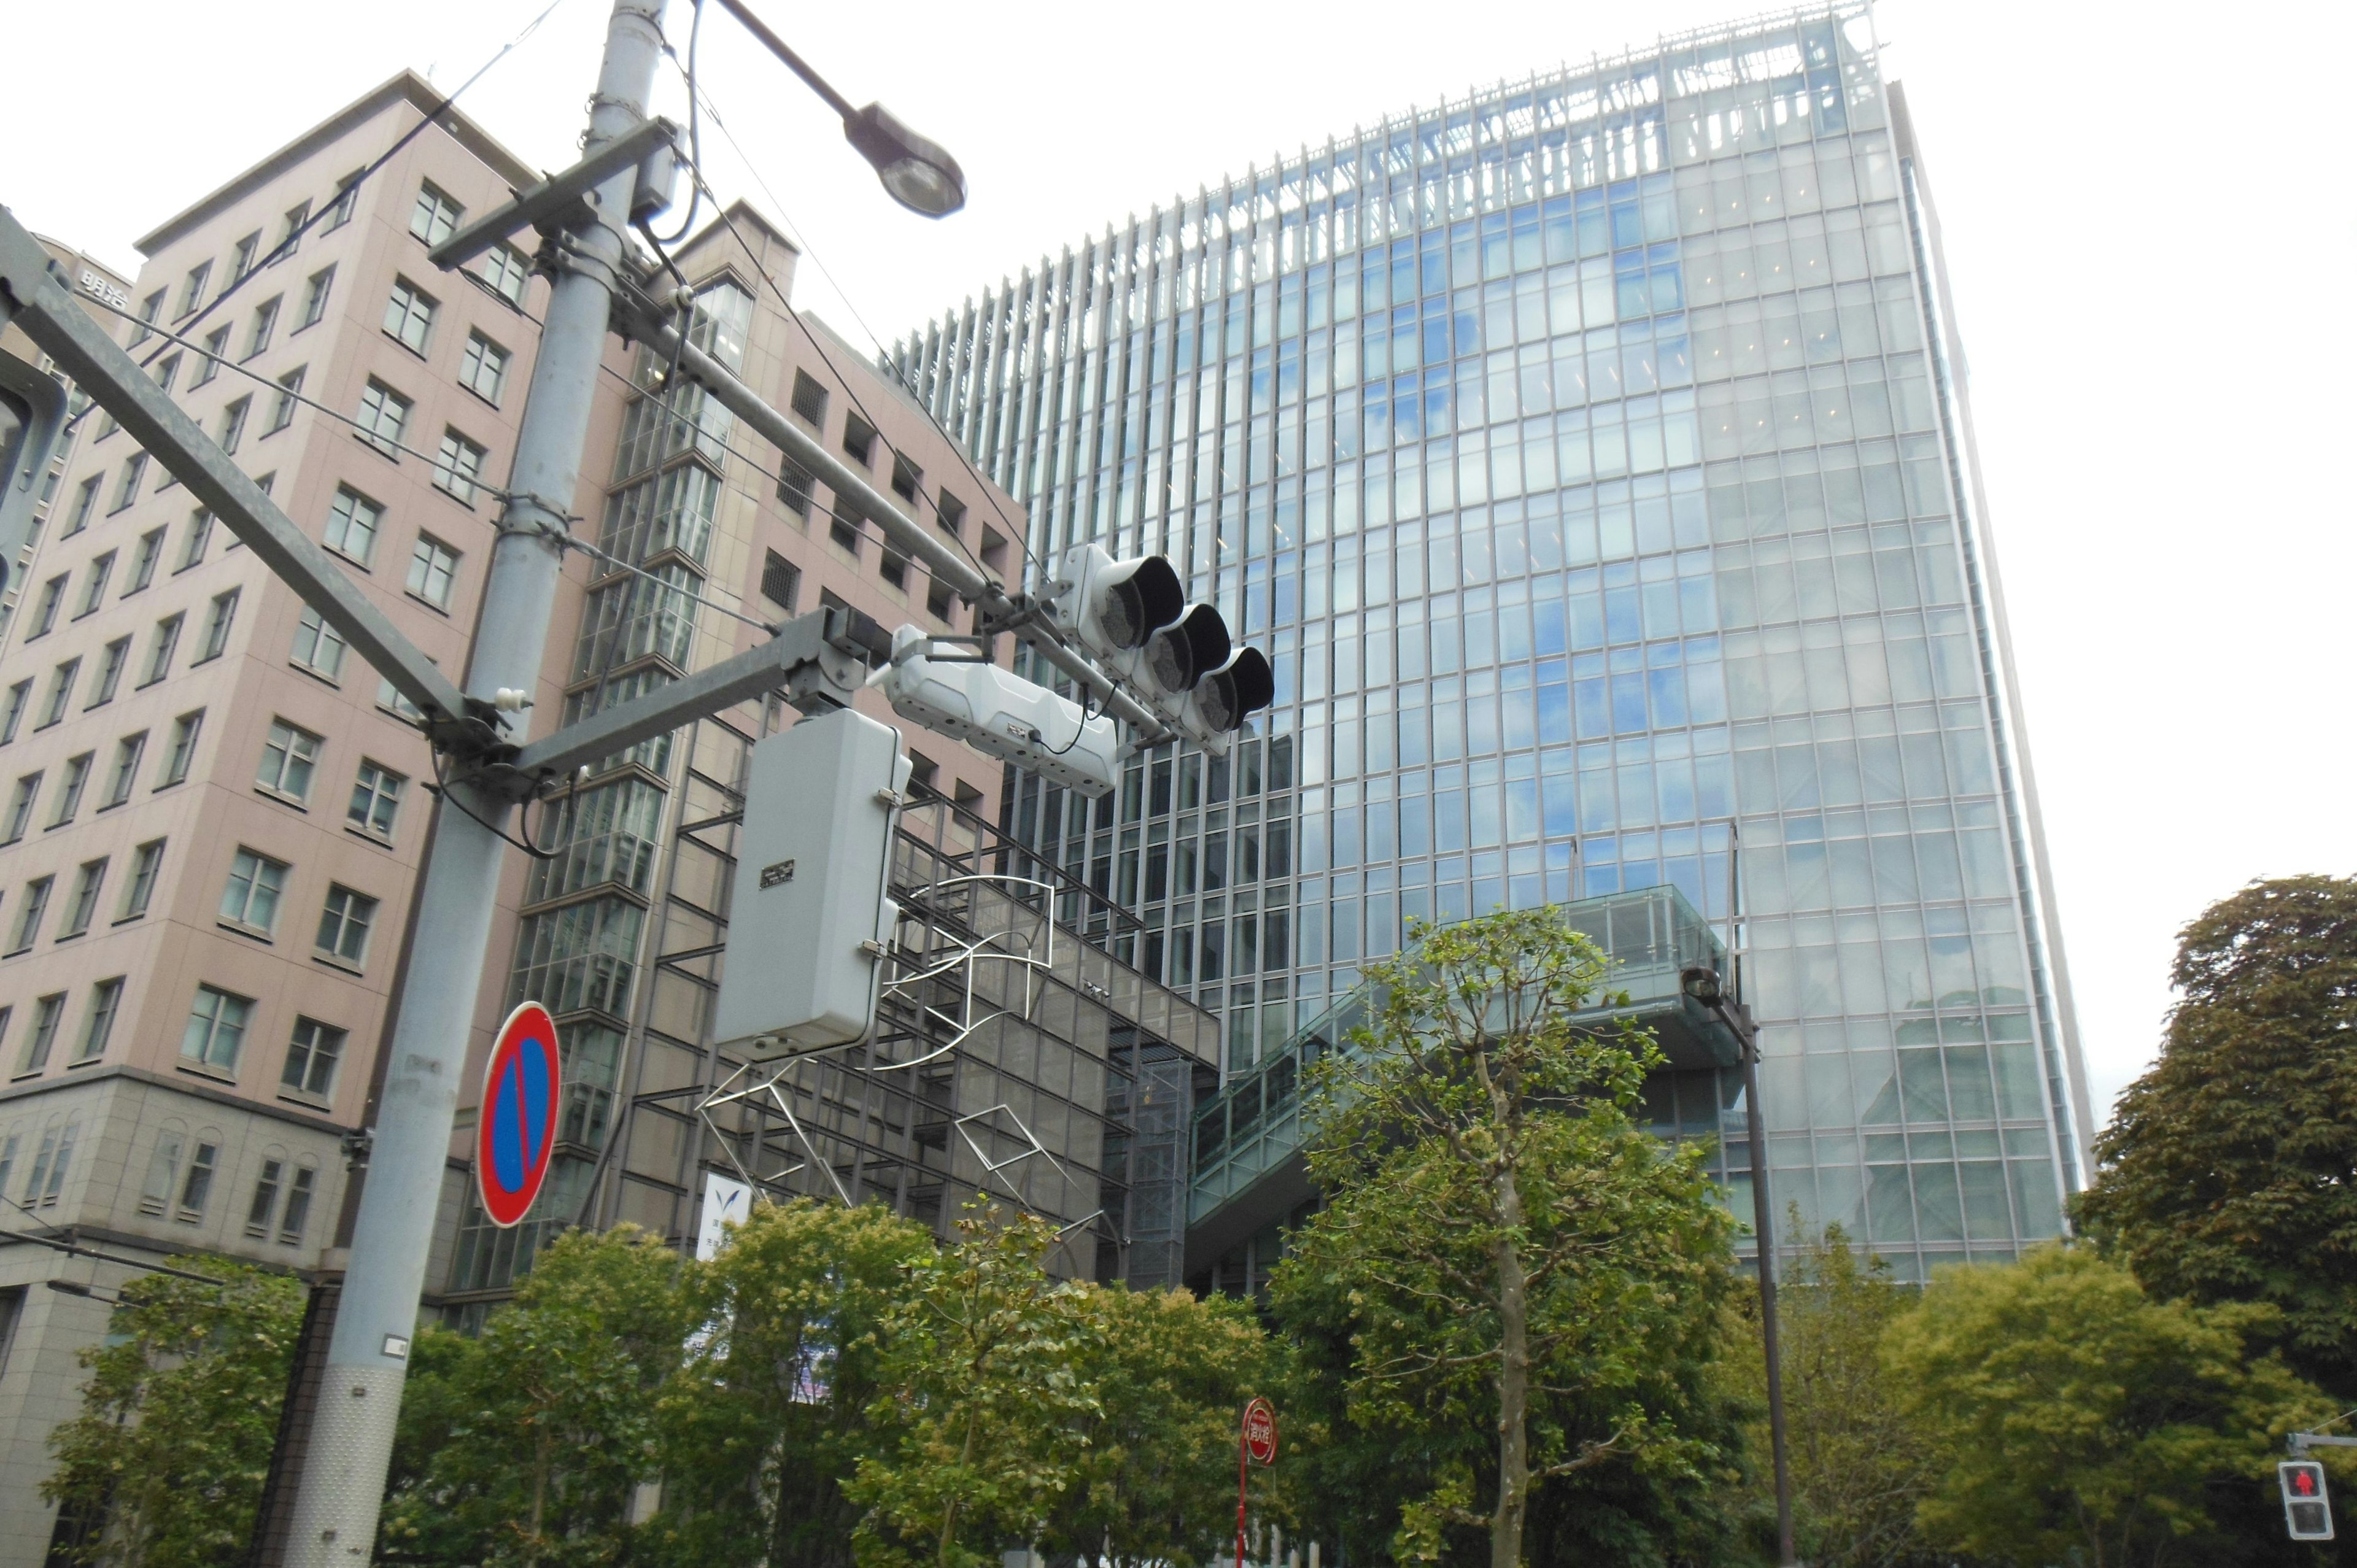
point(917, 173)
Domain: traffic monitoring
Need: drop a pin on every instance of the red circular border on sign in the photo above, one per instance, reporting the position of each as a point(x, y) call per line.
point(529, 1027)
point(1259, 1432)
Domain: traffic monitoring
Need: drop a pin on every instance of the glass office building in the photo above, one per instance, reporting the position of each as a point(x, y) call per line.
point(1588, 456)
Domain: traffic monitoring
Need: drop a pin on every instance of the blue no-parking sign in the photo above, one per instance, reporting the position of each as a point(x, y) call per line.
point(515, 1128)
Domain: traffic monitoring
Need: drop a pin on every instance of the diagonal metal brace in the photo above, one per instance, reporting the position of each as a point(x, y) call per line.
point(821, 658)
point(560, 201)
point(42, 308)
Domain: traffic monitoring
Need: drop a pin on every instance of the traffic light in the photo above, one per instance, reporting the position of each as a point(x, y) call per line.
point(2308, 1511)
point(1132, 616)
point(32, 409)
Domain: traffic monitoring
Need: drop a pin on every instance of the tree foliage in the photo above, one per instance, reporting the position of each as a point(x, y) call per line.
point(768, 1415)
point(984, 1400)
point(2079, 1420)
point(2229, 1170)
point(1504, 1249)
point(172, 1445)
point(536, 1433)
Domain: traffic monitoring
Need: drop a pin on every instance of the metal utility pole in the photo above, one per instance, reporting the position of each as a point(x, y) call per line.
point(351, 1447)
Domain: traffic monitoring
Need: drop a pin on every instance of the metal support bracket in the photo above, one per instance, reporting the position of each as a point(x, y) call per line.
point(42, 309)
point(559, 202)
point(820, 659)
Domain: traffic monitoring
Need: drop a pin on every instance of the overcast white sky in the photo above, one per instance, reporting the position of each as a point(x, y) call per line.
point(2149, 228)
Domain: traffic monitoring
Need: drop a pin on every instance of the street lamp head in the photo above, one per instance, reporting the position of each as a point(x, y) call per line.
point(1701, 983)
point(919, 174)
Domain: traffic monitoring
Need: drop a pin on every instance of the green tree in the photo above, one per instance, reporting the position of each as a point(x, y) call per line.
point(1860, 1463)
point(2079, 1420)
point(173, 1441)
point(1168, 1376)
point(768, 1416)
point(2229, 1170)
point(984, 1404)
point(1505, 1248)
point(535, 1434)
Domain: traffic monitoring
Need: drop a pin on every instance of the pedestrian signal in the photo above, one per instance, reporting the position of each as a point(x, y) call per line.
point(2308, 1511)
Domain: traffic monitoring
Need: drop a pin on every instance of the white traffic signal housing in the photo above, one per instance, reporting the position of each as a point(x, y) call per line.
point(1178, 658)
point(997, 711)
point(2307, 1510)
point(809, 915)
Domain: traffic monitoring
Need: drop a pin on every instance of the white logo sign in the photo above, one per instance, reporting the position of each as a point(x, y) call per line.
point(726, 1201)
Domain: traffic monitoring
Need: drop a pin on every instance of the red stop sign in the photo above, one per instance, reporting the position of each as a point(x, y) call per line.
point(1259, 1432)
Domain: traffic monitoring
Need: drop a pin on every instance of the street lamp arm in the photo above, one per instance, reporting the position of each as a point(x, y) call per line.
point(793, 62)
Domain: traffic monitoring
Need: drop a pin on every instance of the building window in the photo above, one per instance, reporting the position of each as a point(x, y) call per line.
point(282, 403)
point(319, 647)
point(197, 1188)
point(167, 371)
point(905, 477)
point(506, 270)
point(146, 865)
point(113, 658)
point(29, 911)
point(192, 547)
point(353, 522)
point(264, 1207)
point(57, 1149)
point(183, 750)
point(192, 289)
point(20, 696)
point(409, 316)
point(435, 217)
point(81, 904)
point(61, 685)
point(344, 923)
point(315, 297)
point(216, 1031)
point(20, 808)
point(312, 1058)
point(845, 535)
point(458, 468)
point(483, 369)
point(150, 550)
point(950, 512)
point(217, 621)
point(85, 502)
point(859, 439)
point(250, 901)
point(376, 800)
point(433, 570)
point(810, 399)
point(47, 1013)
point(265, 324)
point(388, 698)
point(151, 310)
point(348, 200)
point(299, 1206)
point(97, 1024)
point(232, 424)
point(126, 490)
point(163, 1171)
point(243, 254)
point(71, 784)
point(384, 413)
point(794, 487)
point(45, 609)
point(781, 581)
point(125, 771)
point(291, 235)
point(209, 361)
point(93, 590)
point(159, 653)
point(289, 758)
point(940, 603)
point(893, 569)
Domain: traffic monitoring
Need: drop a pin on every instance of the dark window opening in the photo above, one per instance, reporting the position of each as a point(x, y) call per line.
point(781, 581)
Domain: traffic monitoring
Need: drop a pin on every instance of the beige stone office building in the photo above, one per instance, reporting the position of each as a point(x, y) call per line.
point(211, 812)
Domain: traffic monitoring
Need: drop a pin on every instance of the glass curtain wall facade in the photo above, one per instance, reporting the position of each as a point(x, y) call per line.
point(1581, 454)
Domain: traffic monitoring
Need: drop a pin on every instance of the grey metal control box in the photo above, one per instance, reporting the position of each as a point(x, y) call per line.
point(809, 915)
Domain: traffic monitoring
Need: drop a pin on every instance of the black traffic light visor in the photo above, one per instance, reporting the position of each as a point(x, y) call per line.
point(1238, 689)
point(1141, 598)
point(1182, 654)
